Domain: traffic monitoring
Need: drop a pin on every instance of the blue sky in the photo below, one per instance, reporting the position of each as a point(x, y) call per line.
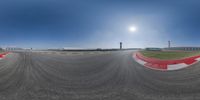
point(99, 23)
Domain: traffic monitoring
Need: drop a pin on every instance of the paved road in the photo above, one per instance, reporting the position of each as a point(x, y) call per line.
point(102, 76)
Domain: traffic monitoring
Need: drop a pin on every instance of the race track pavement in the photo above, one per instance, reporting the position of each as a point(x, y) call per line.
point(109, 76)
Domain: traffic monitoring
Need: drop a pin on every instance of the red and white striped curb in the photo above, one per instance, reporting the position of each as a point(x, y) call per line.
point(3, 55)
point(166, 67)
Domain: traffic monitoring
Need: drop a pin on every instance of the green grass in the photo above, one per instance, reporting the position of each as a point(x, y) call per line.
point(2, 51)
point(169, 54)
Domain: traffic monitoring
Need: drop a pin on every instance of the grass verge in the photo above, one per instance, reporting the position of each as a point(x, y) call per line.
point(169, 54)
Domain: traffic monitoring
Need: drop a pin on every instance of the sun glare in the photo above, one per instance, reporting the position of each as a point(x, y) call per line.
point(132, 29)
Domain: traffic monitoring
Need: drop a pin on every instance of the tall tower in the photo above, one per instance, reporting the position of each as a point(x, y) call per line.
point(169, 44)
point(120, 45)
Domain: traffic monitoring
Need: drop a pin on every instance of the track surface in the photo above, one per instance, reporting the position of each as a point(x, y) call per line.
point(110, 76)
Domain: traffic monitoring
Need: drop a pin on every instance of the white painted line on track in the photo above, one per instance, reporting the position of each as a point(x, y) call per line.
point(141, 61)
point(176, 66)
point(198, 59)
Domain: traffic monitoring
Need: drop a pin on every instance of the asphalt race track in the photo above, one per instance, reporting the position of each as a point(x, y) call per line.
point(92, 76)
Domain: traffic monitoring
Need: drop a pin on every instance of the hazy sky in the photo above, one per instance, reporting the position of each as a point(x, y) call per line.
point(99, 23)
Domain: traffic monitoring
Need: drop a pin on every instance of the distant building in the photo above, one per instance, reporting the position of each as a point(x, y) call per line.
point(120, 45)
point(153, 49)
point(169, 44)
point(184, 48)
point(13, 48)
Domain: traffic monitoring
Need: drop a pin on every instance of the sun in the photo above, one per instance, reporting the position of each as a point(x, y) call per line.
point(132, 29)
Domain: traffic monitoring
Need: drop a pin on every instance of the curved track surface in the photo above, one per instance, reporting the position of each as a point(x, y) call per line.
point(103, 76)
